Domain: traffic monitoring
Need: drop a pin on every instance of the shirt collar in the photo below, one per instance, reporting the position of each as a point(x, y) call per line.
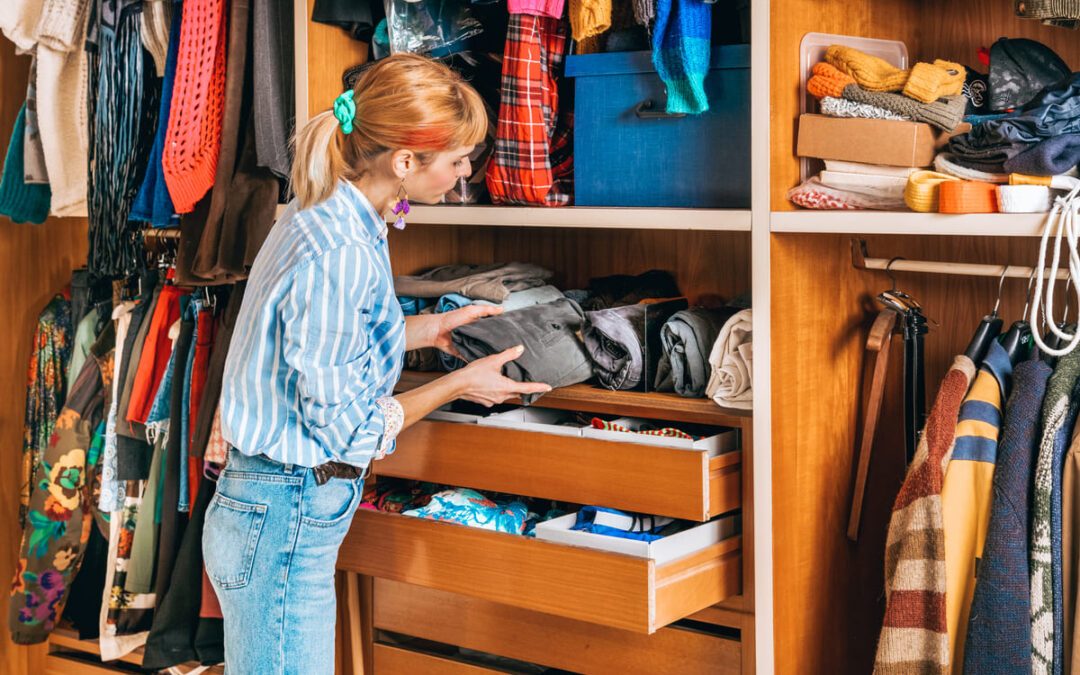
point(374, 224)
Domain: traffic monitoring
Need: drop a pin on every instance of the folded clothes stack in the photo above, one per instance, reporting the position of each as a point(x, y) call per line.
point(1022, 118)
point(625, 332)
point(879, 125)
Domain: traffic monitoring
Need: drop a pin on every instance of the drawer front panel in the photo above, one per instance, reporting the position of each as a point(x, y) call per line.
point(528, 636)
point(589, 585)
point(635, 477)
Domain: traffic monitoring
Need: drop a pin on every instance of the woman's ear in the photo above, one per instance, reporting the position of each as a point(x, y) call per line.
point(403, 162)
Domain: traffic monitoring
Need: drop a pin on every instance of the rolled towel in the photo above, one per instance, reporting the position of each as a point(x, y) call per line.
point(686, 338)
point(732, 361)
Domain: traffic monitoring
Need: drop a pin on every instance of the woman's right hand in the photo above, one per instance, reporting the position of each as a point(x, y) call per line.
point(482, 380)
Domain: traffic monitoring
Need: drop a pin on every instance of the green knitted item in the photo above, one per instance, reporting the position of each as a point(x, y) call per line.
point(946, 113)
point(21, 201)
point(1054, 410)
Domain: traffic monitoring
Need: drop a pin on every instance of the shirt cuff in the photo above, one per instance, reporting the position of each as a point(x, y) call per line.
point(393, 420)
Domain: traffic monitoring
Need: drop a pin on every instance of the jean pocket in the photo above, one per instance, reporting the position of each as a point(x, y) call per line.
point(230, 538)
point(332, 503)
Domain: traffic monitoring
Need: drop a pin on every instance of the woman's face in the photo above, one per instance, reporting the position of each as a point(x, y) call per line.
point(431, 182)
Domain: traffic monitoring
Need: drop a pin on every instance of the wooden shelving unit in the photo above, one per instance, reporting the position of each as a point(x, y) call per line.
point(588, 398)
point(909, 222)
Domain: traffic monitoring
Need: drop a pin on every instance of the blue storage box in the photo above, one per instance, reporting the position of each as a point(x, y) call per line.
point(628, 152)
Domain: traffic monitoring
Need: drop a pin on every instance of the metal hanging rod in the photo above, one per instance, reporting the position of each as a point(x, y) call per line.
point(861, 262)
point(161, 233)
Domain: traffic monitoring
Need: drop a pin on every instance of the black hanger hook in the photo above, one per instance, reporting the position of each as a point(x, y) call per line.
point(888, 269)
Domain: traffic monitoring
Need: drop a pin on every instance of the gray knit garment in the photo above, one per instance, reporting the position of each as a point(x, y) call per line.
point(645, 12)
point(842, 107)
point(946, 113)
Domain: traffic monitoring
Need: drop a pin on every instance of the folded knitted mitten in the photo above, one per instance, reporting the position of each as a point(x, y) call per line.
point(945, 113)
point(929, 82)
point(871, 72)
point(827, 80)
point(842, 107)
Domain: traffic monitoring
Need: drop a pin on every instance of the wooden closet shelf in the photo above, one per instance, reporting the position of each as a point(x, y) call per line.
point(587, 398)
point(730, 220)
point(909, 222)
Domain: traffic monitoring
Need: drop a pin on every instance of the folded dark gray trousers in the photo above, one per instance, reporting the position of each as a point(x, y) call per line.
point(624, 342)
point(687, 339)
point(553, 353)
point(492, 282)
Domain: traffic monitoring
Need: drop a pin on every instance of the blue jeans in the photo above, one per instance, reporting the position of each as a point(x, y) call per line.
point(270, 544)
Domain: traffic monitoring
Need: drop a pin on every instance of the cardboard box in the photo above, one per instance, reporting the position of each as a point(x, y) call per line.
point(910, 144)
point(663, 551)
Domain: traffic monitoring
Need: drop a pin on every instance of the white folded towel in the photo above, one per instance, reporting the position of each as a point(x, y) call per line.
point(730, 384)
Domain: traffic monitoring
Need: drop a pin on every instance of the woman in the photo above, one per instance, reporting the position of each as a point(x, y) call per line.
point(317, 348)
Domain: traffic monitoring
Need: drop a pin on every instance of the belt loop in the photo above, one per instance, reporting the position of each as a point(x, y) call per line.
point(288, 468)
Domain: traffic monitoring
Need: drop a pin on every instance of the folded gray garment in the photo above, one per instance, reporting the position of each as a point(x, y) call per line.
point(493, 282)
point(553, 353)
point(687, 338)
point(624, 342)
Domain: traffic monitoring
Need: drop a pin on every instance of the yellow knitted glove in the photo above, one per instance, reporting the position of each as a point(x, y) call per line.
point(589, 17)
point(871, 72)
point(929, 82)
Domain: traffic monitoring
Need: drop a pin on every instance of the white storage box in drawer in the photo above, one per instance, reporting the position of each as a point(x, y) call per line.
point(447, 414)
point(661, 550)
point(718, 443)
point(543, 420)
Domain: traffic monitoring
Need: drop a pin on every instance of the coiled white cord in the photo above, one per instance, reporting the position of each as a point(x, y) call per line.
point(1062, 222)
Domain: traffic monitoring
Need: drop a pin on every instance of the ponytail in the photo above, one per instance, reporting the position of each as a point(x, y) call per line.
point(402, 102)
point(319, 162)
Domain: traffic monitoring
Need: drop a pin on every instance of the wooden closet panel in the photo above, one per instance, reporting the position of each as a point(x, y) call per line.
point(822, 309)
point(702, 262)
point(956, 30)
point(330, 51)
point(530, 636)
point(791, 20)
point(37, 261)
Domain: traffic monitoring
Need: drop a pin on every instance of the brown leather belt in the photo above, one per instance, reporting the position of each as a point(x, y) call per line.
point(325, 472)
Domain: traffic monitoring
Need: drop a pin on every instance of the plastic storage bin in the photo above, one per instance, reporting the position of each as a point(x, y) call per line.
point(662, 550)
point(629, 152)
point(543, 420)
point(720, 440)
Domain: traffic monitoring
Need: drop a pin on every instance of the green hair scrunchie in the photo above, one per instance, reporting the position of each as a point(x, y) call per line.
point(345, 111)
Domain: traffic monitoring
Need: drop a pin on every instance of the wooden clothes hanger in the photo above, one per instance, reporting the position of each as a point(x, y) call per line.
point(878, 342)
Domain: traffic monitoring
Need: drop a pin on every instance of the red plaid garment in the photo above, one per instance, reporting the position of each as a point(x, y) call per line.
point(533, 163)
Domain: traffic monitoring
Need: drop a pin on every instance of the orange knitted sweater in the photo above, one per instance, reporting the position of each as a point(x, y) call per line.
point(193, 138)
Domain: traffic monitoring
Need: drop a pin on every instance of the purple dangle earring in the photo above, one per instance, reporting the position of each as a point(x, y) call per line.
point(401, 209)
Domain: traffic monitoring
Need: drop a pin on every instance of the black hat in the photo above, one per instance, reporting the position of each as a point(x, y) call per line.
point(1020, 69)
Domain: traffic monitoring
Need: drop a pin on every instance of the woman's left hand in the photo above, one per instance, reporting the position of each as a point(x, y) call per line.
point(448, 321)
point(433, 330)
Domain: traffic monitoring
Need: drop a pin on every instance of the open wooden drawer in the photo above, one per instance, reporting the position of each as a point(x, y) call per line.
point(578, 583)
point(663, 481)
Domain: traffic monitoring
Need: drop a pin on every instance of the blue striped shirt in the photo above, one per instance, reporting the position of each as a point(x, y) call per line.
point(319, 338)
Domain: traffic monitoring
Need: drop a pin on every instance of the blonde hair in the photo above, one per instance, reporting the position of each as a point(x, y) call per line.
point(404, 101)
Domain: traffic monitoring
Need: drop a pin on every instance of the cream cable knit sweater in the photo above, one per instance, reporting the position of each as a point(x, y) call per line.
point(62, 81)
point(19, 21)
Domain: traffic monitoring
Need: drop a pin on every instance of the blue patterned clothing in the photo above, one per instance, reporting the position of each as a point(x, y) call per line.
point(320, 340)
